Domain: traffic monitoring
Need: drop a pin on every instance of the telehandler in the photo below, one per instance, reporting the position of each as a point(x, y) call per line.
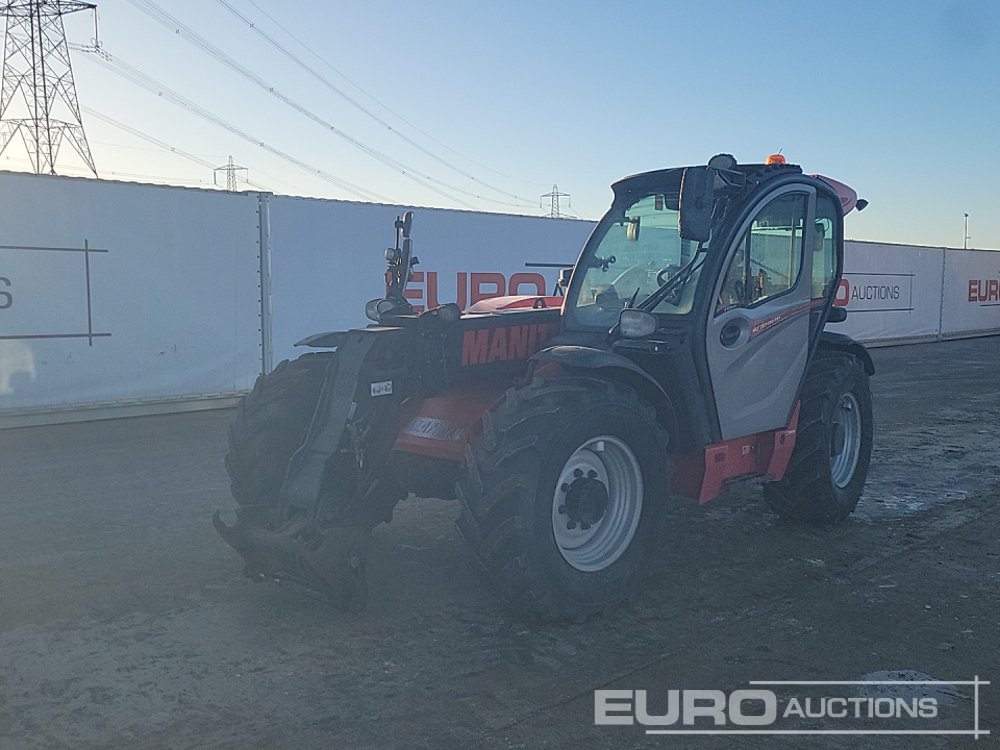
point(689, 350)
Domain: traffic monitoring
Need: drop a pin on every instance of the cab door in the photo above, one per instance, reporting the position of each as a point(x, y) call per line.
point(757, 334)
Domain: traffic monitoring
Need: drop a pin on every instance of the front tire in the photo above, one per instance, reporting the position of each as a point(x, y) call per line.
point(270, 425)
point(833, 447)
point(562, 496)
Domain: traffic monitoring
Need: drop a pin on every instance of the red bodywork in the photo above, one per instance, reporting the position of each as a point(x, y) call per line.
point(502, 332)
point(765, 455)
point(848, 195)
point(440, 427)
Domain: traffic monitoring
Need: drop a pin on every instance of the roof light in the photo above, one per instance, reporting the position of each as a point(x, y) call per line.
point(775, 159)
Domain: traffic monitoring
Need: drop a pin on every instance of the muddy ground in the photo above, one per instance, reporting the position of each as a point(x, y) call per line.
point(125, 622)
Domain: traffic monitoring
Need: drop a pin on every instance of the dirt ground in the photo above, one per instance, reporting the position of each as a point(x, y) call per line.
point(125, 622)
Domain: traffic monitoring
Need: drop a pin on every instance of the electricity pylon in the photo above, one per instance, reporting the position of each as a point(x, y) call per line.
point(231, 170)
point(554, 197)
point(36, 64)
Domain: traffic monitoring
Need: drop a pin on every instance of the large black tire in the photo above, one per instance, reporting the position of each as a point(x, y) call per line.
point(833, 447)
point(523, 455)
point(271, 423)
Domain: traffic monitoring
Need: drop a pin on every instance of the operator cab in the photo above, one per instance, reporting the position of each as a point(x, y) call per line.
point(634, 251)
point(731, 269)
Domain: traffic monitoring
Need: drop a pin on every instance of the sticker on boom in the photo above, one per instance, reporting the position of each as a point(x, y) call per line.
point(382, 389)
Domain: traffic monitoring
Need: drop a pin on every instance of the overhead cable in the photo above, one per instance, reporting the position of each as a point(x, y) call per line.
point(427, 181)
point(254, 27)
point(132, 74)
point(164, 146)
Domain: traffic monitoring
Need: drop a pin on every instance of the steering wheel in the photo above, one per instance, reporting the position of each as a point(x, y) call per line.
point(664, 274)
point(638, 272)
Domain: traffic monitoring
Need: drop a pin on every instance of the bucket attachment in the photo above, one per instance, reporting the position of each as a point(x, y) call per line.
point(331, 562)
point(316, 531)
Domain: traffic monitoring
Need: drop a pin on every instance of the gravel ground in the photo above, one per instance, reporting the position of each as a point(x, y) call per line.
point(125, 622)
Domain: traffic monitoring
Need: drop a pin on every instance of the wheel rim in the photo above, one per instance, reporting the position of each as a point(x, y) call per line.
point(845, 444)
point(597, 503)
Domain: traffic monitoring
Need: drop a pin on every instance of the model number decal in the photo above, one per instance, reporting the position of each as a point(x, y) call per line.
point(6, 298)
point(429, 427)
point(765, 325)
point(383, 388)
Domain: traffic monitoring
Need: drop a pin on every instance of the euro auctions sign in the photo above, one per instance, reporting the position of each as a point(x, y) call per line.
point(899, 292)
point(971, 292)
point(984, 291)
point(890, 291)
point(900, 707)
point(881, 292)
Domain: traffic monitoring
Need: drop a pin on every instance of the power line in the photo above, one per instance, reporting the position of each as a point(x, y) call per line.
point(427, 181)
point(384, 106)
point(163, 146)
point(196, 158)
point(135, 175)
point(137, 77)
point(354, 102)
point(129, 147)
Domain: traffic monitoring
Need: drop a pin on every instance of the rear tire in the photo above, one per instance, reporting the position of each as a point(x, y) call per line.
point(270, 425)
point(833, 446)
point(562, 495)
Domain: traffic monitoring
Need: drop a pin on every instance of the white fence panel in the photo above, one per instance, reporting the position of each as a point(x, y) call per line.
point(327, 261)
point(113, 293)
point(890, 291)
point(971, 292)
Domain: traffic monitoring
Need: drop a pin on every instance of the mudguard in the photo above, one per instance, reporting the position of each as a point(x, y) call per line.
point(586, 357)
point(841, 342)
point(325, 340)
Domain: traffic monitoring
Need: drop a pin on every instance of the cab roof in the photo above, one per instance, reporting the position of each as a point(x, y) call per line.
point(669, 180)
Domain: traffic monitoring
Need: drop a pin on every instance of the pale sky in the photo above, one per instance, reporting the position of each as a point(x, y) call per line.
point(497, 102)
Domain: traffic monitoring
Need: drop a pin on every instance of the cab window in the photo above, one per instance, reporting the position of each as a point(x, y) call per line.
point(769, 257)
point(824, 260)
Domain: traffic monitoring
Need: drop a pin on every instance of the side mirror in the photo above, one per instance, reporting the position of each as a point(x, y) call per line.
point(837, 315)
point(697, 193)
point(407, 223)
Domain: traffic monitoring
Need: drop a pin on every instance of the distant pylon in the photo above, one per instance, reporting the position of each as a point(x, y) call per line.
point(36, 63)
point(554, 197)
point(231, 171)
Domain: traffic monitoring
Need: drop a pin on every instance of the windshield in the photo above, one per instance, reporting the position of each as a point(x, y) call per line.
point(640, 251)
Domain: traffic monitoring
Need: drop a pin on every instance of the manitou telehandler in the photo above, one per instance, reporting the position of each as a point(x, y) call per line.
point(689, 350)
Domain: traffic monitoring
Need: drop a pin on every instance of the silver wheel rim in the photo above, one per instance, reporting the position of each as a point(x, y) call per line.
point(611, 462)
point(845, 446)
